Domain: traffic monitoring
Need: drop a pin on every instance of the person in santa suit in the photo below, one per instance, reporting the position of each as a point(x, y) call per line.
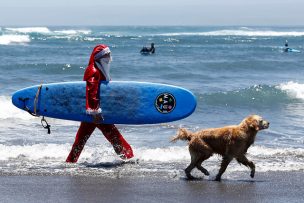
point(98, 70)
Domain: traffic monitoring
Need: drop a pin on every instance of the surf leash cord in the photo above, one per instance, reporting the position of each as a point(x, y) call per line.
point(36, 99)
point(44, 123)
point(24, 100)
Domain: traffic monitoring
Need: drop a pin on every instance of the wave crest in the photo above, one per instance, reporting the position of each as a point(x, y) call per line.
point(14, 39)
point(42, 30)
point(293, 89)
point(258, 95)
point(248, 32)
point(72, 32)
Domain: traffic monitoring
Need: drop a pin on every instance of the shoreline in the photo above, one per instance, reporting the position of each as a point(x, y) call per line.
point(265, 187)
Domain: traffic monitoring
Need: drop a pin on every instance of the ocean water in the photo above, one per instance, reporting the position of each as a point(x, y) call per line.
point(233, 72)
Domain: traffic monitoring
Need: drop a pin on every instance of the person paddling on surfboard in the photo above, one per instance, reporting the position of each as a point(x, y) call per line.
point(146, 50)
point(98, 70)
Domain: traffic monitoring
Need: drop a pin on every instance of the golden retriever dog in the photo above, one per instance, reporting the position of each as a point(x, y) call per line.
point(229, 142)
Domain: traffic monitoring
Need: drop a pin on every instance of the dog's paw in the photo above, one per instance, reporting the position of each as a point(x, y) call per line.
point(218, 178)
point(190, 177)
point(252, 174)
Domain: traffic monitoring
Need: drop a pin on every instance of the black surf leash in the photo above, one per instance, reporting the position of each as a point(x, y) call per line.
point(44, 123)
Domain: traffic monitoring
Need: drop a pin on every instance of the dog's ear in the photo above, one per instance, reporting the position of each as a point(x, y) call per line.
point(182, 134)
point(182, 131)
point(253, 123)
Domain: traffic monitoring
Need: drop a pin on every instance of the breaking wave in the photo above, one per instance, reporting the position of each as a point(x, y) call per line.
point(14, 39)
point(26, 34)
point(293, 89)
point(258, 95)
point(250, 33)
point(50, 159)
point(72, 32)
point(42, 30)
point(47, 31)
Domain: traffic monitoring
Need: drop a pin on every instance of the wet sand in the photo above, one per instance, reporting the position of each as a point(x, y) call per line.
point(265, 187)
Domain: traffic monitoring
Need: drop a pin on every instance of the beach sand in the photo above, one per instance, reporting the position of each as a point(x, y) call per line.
point(265, 187)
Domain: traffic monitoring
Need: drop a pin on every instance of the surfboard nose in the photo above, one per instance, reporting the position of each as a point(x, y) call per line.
point(16, 100)
point(23, 99)
point(19, 100)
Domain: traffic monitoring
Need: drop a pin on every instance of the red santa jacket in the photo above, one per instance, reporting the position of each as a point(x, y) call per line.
point(93, 76)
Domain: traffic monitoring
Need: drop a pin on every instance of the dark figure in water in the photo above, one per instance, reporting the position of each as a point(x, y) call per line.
point(286, 46)
point(146, 50)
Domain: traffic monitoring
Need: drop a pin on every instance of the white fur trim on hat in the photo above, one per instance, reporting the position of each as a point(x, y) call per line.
point(102, 53)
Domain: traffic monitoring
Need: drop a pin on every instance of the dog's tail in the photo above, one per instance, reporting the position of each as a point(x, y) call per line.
point(182, 134)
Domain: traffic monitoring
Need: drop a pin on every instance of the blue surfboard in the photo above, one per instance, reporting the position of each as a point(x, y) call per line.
point(122, 102)
point(292, 50)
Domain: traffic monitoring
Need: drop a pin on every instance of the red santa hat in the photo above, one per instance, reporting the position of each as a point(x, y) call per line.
point(102, 52)
point(98, 51)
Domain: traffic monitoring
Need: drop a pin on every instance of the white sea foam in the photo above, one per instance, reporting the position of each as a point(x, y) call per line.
point(293, 89)
point(163, 154)
point(42, 30)
point(277, 159)
point(258, 33)
point(14, 39)
point(72, 32)
point(266, 159)
point(54, 151)
point(91, 39)
point(8, 110)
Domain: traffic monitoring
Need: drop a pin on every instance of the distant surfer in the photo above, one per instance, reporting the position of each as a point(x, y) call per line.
point(146, 50)
point(98, 70)
point(286, 46)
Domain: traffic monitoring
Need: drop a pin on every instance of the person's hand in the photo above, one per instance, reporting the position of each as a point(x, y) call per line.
point(97, 118)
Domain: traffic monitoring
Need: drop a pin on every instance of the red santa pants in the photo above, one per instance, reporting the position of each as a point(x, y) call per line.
point(112, 134)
